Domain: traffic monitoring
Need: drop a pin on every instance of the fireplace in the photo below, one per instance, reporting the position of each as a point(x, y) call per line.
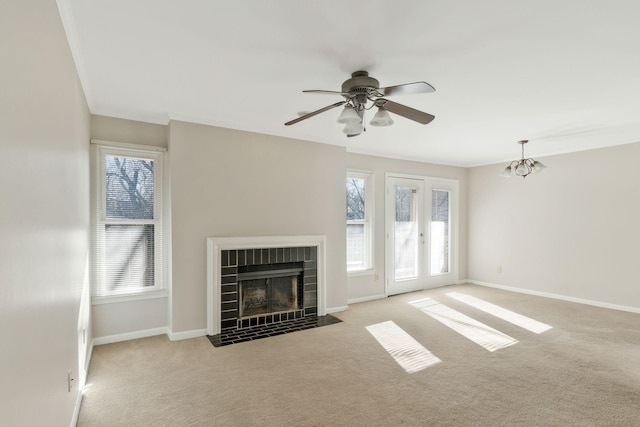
point(256, 282)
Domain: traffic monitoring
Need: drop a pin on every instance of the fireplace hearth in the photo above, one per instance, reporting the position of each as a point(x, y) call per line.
point(228, 337)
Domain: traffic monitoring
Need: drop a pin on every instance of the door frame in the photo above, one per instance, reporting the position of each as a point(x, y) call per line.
point(430, 183)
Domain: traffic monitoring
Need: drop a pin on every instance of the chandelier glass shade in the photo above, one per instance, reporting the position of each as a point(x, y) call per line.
point(381, 118)
point(354, 128)
point(522, 167)
point(348, 115)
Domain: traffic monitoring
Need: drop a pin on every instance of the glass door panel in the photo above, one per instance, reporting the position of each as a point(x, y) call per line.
point(439, 232)
point(406, 236)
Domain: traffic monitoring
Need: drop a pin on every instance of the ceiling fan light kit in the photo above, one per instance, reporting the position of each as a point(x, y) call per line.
point(522, 167)
point(361, 93)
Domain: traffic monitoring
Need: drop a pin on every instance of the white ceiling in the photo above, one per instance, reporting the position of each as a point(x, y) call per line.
point(563, 74)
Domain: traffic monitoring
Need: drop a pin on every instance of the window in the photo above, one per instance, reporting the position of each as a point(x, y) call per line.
point(359, 223)
point(128, 230)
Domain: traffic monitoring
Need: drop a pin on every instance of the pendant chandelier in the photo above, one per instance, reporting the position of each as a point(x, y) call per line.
point(522, 167)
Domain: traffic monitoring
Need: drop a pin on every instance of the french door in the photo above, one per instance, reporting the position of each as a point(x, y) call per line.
point(420, 233)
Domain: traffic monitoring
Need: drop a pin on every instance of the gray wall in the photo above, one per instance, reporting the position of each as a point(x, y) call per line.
point(44, 224)
point(129, 131)
point(231, 183)
point(571, 230)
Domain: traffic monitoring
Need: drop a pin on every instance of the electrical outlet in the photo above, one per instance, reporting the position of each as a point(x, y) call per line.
point(500, 269)
point(376, 277)
point(69, 380)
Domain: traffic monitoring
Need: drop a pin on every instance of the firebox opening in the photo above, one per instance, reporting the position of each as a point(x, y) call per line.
point(272, 289)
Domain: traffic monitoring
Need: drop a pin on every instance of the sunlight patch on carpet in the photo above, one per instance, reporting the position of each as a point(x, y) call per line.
point(504, 314)
point(477, 332)
point(408, 352)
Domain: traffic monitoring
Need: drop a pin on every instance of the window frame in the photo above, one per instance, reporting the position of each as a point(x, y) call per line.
point(368, 222)
point(103, 149)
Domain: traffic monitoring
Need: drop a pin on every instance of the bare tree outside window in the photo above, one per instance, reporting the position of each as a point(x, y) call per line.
point(405, 204)
point(355, 198)
point(129, 188)
point(358, 250)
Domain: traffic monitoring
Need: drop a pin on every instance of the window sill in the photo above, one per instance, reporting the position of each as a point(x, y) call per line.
point(108, 299)
point(365, 272)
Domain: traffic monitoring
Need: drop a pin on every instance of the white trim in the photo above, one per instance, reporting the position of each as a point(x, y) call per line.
point(76, 408)
point(168, 239)
point(130, 336)
point(337, 309)
point(108, 299)
point(88, 360)
point(365, 299)
point(127, 145)
point(185, 335)
point(213, 287)
point(557, 296)
point(217, 244)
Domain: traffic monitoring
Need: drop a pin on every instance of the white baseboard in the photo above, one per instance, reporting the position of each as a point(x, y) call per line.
point(130, 336)
point(185, 335)
point(557, 296)
point(337, 309)
point(365, 299)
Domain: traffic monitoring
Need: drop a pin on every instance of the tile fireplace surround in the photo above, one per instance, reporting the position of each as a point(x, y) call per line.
point(227, 255)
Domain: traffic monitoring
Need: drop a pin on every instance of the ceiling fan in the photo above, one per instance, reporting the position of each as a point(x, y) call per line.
point(361, 89)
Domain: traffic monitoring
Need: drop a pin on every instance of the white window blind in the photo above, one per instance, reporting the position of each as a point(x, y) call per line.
point(128, 230)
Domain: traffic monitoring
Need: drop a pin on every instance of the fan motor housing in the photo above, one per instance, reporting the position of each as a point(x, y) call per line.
point(360, 82)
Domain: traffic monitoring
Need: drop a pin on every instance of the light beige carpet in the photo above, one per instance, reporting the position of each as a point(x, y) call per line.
point(583, 372)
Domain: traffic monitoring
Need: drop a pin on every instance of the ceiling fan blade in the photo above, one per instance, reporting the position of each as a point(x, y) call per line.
point(330, 92)
point(404, 111)
point(313, 113)
point(407, 89)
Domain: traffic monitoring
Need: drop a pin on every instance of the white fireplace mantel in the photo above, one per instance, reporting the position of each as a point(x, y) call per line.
point(215, 245)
